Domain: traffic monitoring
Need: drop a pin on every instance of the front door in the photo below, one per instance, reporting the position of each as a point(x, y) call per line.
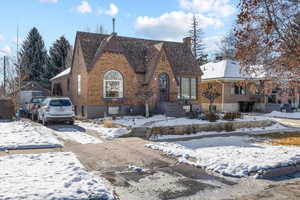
point(163, 84)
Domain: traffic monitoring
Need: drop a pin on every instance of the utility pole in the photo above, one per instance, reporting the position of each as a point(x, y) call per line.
point(114, 25)
point(18, 63)
point(4, 75)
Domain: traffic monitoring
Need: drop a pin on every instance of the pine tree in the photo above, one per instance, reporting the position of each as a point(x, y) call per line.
point(33, 57)
point(58, 57)
point(197, 44)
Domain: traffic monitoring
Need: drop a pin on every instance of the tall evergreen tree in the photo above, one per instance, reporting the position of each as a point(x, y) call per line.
point(33, 57)
point(197, 44)
point(58, 57)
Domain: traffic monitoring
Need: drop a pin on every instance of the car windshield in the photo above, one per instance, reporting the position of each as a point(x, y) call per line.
point(37, 100)
point(60, 102)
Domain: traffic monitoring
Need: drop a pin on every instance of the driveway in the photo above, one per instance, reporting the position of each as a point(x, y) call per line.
point(160, 177)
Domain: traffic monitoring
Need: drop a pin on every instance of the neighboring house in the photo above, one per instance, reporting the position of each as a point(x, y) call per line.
point(241, 91)
point(61, 84)
point(111, 74)
point(29, 90)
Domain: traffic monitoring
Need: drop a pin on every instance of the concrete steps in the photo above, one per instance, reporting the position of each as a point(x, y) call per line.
point(171, 109)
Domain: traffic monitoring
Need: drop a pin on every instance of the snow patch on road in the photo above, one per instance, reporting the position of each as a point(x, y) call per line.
point(77, 136)
point(235, 155)
point(49, 176)
point(23, 135)
point(102, 131)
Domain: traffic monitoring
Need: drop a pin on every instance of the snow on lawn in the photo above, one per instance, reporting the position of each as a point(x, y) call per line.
point(102, 131)
point(49, 176)
point(138, 121)
point(77, 136)
point(247, 131)
point(187, 121)
point(162, 120)
point(294, 115)
point(23, 135)
point(233, 155)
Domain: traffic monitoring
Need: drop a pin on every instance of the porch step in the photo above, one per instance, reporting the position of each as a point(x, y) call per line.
point(171, 109)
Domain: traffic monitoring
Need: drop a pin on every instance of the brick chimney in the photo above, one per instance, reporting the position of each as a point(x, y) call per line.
point(187, 41)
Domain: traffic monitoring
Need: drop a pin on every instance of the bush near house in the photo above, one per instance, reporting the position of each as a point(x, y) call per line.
point(7, 109)
point(231, 116)
point(210, 116)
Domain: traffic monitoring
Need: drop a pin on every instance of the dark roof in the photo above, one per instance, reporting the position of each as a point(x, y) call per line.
point(139, 52)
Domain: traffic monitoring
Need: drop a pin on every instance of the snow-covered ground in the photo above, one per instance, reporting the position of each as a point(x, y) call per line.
point(102, 131)
point(294, 115)
point(161, 120)
point(77, 136)
point(23, 135)
point(231, 155)
point(49, 176)
point(187, 121)
point(250, 131)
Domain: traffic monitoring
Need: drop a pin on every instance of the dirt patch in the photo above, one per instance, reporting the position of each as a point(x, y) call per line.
point(191, 187)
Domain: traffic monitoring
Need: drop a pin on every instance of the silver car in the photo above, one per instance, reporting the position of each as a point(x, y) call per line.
point(56, 109)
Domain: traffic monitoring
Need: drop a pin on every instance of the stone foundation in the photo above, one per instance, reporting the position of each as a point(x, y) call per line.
point(195, 128)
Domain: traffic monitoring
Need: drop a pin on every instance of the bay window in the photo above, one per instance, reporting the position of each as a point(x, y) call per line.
point(187, 88)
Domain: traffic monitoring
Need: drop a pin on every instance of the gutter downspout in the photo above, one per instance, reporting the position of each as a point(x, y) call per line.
point(223, 90)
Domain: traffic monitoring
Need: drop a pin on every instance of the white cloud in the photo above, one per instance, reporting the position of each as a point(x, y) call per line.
point(172, 26)
point(113, 10)
point(5, 51)
point(212, 44)
point(84, 7)
point(49, 1)
point(1, 38)
point(219, 8)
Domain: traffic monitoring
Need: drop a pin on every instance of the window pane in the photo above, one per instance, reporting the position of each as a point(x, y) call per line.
point(185, 88)
point(112, 89)
point(193, 88)
point(113, 84)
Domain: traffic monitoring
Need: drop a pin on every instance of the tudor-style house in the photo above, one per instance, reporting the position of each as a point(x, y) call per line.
point(112, 75)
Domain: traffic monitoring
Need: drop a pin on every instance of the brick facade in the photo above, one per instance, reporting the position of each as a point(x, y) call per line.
point(90, 103)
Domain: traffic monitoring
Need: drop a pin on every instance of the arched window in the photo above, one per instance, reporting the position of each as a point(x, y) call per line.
point(113, 84)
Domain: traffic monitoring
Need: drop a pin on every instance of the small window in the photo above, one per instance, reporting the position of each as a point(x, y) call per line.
point(113, 110)
point(113, 84)
point(79, 84)
point(238, 89)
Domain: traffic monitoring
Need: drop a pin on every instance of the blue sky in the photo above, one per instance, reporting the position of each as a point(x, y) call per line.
point(155, 19)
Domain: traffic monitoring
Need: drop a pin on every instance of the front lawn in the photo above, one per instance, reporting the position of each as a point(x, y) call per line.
point(49, 176)
point(232, 155)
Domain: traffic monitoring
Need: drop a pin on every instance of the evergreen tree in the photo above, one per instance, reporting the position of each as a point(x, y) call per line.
point(59, 54)
point(33, 57)
point(197, 44)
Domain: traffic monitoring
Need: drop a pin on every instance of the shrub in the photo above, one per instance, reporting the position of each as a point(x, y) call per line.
point(210, 116)
point(230, 116)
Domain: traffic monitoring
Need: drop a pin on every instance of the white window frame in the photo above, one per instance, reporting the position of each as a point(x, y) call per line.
point(120, 80)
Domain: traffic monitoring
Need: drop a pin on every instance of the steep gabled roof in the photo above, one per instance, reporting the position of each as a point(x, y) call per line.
point(137, 52)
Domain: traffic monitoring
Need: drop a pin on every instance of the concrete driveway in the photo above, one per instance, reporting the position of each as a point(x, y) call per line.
point(163, 178)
